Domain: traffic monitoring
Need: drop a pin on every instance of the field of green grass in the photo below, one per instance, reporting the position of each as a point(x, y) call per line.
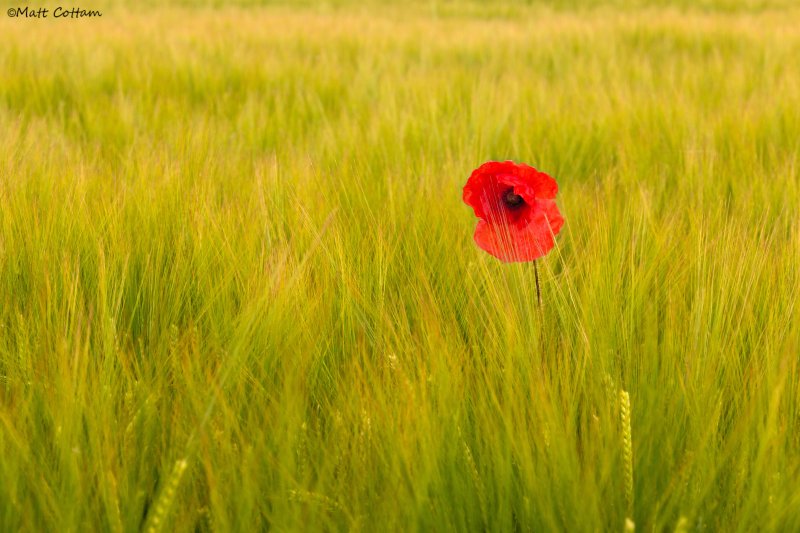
point(239, 291)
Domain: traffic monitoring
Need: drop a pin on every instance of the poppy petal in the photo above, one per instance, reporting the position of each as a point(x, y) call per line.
point(511, 244)
point(513, 232)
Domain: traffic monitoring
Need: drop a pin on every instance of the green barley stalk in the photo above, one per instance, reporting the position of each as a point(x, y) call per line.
point(302, 451)
point(476, 478)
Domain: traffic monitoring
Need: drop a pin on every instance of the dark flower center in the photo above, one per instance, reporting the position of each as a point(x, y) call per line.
point(511, 199)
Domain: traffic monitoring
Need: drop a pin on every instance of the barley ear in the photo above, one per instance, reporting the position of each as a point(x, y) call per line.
point(166, 498)
point(627, 447)
point(630, 527)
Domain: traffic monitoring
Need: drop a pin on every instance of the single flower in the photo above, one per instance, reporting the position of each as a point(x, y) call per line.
point(516, 207)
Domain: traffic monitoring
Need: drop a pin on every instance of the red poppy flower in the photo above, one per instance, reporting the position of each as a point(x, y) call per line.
point(516, 207)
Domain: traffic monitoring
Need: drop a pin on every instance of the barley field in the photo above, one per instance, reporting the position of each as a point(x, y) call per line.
point(239, 290)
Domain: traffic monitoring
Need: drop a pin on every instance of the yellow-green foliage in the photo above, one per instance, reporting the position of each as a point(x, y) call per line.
point(238, 288)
